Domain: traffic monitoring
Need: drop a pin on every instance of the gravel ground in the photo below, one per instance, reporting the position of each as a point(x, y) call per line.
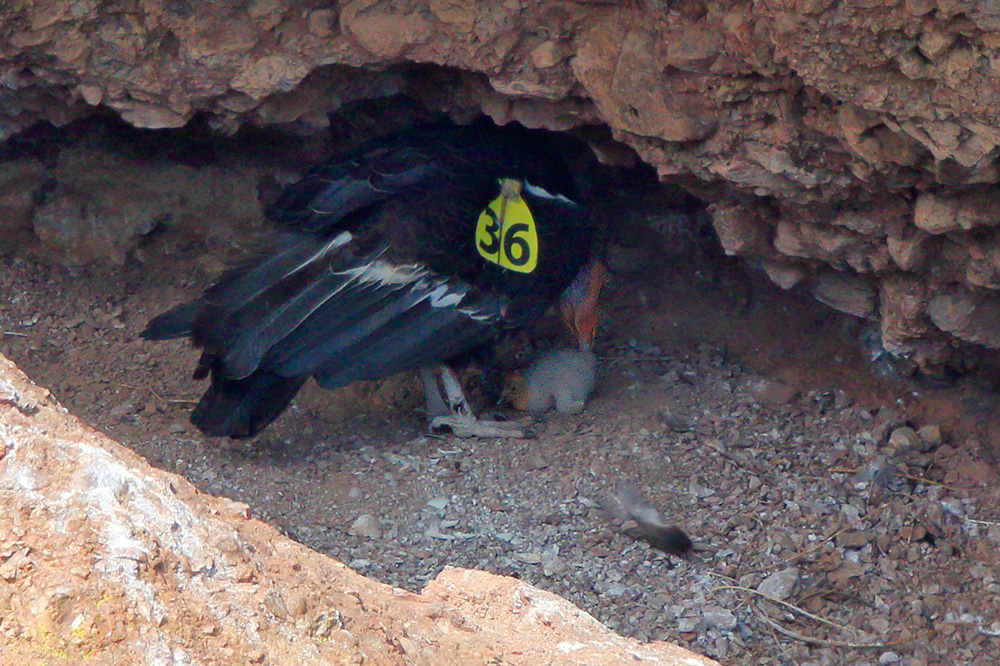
point(841, 514)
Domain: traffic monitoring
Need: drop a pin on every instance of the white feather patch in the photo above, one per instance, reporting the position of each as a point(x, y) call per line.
point(542, 193)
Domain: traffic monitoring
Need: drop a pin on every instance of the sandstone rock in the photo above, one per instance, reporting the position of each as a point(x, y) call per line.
point(774, 394)
point(781, 584)
point(19, 181)
point(741, 232)
point(107, 560)
point(693, 48)
point(846, 293)
point(910, 252)
point(613, 65)
point(868, 137)
point(967, 210)
point(904, 439)
point(384, 32)
point(366, 525)
point(934, 43)
point(784, 274)
point(930, 437)
point(968, 316)
point(903, 303)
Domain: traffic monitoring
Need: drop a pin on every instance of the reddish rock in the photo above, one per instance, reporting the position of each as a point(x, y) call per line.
point(909, 252)
point(19, 181)
point(740, 231)
point(966, 315)
point(785, 274)
point(940, 214)
point(903, 307)
point(846, 293)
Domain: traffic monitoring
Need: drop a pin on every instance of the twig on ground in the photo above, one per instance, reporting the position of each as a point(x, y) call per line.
point(909, 477)
point(812, 640)
point(791, 607)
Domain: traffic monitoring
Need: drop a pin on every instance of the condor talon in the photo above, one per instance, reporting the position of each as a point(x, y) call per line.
point(469, 426)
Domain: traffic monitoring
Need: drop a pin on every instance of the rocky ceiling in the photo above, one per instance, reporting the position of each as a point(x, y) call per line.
point(845, 148)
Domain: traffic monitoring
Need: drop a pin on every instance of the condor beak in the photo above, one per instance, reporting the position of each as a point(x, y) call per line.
point(578, 305)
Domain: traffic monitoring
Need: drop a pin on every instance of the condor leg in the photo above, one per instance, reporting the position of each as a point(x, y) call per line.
point(452, 412)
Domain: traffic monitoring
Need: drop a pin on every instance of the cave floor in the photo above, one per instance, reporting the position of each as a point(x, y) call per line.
point(750, 417)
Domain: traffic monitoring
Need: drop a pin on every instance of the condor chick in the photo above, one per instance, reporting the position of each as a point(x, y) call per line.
point(404, 254)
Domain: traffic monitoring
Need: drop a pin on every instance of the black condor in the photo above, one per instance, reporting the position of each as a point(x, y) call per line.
point(406, 253)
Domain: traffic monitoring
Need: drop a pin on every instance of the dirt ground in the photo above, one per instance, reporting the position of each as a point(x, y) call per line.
point(805, 468)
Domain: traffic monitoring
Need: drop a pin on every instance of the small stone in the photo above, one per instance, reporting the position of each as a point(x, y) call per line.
point(275, 604)
point(781, 584)
point(552, 564)
point(774, 394)
point(438, 503)
point(854, 539)
point(688, 625)
point(930, 437)
point(535, 462)
point(615, 590)
point(888, 658)
point(528, 558)
point(719, 618)
point(847, 293)
point(993, 533)
point(904, 439)
point(366, 525)
point(698, 490)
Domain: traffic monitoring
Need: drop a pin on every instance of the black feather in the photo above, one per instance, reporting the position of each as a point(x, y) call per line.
point(175, 323)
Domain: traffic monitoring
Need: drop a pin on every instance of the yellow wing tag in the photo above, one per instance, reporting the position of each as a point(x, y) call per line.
point(505, 233)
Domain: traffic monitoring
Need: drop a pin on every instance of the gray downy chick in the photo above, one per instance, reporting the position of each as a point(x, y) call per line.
point(560, 378)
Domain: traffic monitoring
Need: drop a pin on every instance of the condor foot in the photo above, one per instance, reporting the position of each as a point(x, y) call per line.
point(467, 425)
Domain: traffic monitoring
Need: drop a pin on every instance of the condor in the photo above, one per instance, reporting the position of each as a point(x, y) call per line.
point(405, 254)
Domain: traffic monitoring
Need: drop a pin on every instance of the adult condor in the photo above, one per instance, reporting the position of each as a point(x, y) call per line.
point(407, 253)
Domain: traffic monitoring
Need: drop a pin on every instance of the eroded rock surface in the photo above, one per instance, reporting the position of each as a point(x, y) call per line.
point(106, 560)
point(858, 139)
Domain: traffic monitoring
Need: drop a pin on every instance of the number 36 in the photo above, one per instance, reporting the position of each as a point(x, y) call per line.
point(512, 245)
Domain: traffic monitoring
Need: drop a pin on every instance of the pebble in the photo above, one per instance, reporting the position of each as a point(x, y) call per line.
point(552, 564)
point(697, 490)
point(904, 439)
point(774, 394)
point(719, 618)
point(438, 503)
point(366, 525)
point(780, 584)
point(687, 625)
point(930, 437)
